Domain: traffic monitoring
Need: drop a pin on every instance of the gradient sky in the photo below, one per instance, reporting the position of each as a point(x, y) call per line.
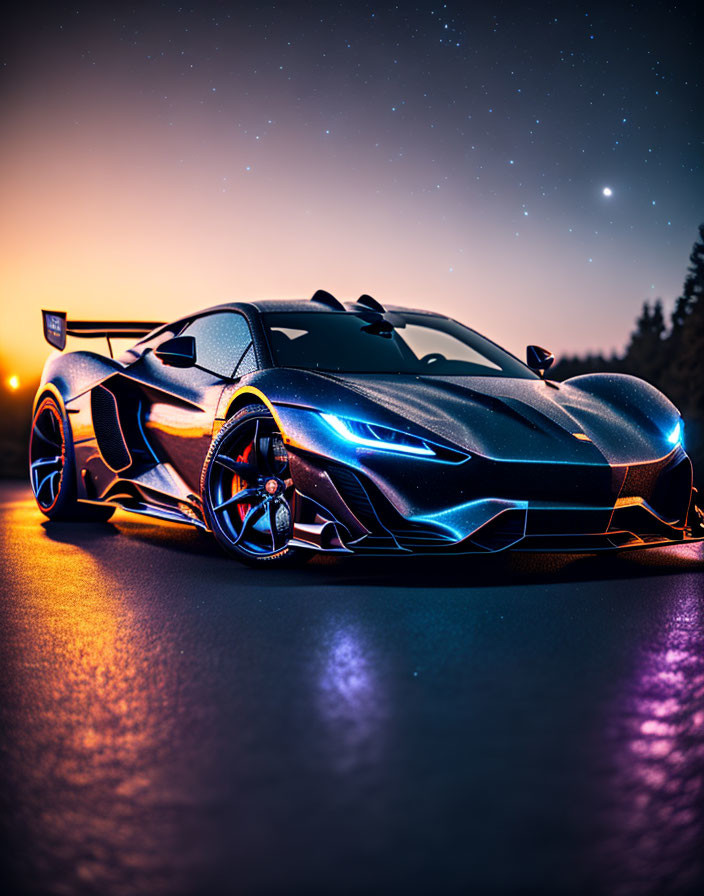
point(159, 158)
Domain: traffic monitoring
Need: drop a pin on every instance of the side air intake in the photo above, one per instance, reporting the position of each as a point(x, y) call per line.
point(108, 432)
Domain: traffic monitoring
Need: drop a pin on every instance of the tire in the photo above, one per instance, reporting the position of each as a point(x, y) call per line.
point(52, 467)
point(248, 493)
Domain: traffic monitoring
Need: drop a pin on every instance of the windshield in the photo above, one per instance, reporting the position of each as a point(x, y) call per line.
point(406, 342)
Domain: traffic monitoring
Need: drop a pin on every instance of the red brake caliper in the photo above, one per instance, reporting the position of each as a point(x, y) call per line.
point(238, 483)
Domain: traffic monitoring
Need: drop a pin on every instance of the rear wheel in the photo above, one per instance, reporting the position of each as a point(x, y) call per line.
point(248, 492)
point(52, 471)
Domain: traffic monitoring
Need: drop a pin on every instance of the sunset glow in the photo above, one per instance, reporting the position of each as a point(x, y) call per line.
point(163, 160)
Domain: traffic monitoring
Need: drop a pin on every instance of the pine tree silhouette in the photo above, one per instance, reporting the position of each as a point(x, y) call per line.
point(646, 354)
point(684, 380)
point(672, 361)
point(693, 290)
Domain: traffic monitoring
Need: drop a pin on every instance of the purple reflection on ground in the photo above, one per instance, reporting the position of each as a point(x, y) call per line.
point(655, 822)
point(351, 701)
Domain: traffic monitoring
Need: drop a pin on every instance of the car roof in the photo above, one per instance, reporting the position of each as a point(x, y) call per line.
point(304, 305)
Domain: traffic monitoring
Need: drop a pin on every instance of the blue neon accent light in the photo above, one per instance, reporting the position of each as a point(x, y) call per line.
point(677, 434)
point(380, 438)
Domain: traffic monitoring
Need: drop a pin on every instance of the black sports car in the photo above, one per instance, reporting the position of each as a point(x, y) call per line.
point(290, 427)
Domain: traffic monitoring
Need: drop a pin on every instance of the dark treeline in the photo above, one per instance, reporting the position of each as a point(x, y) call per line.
point(668, 354)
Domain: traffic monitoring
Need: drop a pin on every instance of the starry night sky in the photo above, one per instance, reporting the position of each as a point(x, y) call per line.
point(158, 158)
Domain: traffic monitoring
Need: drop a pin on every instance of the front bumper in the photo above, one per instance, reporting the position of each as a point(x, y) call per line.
point(505, 505)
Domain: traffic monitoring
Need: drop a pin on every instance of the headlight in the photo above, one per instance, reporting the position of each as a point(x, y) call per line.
point(380, 438)
point(676, 437)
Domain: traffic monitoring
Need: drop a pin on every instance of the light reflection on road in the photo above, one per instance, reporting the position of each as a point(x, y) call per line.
point(351, 696)
point(85, 763)
point(170, 713)
point(656, 781)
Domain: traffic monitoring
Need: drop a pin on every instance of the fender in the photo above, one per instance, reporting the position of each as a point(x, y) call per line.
point(229, 399)
point(326, 393)
point(622, 390)
point(72, 375)
point(631, 396)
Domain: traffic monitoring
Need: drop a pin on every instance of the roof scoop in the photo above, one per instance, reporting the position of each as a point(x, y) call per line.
point(371, 303)
point(326, 298)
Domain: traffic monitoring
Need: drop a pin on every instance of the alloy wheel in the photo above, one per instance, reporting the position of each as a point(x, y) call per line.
point(47, 455)
point(250, 490)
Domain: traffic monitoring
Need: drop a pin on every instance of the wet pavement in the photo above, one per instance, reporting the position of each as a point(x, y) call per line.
point(173, 723)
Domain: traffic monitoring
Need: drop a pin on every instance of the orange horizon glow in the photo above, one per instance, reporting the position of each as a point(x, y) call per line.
point(114, 238)
point(136, 193)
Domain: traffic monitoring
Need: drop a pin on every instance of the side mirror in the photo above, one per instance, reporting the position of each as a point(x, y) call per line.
point(177, 352)
point(539, 359)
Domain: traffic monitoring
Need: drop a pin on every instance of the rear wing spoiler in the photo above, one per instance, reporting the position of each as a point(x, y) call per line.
point(57, 328)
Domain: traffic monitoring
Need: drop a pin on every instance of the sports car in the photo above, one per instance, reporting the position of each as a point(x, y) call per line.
point(287, 428)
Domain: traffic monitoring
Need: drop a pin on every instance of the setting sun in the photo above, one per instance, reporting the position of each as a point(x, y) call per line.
point(13, 382)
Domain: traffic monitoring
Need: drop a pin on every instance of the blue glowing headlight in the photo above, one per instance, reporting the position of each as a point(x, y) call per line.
point(380, 438)
point(676, 437)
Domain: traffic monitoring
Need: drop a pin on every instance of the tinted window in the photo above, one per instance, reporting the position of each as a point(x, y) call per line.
point(363, 343)
point(222, 340)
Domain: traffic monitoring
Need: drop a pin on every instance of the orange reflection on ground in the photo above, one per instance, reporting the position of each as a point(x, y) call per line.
point(89, 727)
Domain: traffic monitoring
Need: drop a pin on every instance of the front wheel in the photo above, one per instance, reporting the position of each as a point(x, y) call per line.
point(52, 471)
point(247, 490)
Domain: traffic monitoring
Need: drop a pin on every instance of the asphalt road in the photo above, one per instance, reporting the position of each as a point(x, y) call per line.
point(173, 723)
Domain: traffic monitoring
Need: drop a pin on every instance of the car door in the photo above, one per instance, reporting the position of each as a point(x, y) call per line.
point(179, 421)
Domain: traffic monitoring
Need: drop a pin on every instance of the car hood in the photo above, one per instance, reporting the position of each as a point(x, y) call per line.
point(530, 420)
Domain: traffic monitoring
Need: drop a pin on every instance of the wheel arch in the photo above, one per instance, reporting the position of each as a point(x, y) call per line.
point(250, 395)
point(245, 397)
point(48, 390)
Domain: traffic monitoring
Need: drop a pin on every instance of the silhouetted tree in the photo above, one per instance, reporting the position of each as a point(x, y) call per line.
point(690, 364)
point(693, 290)
point(673, 361)
point(573, 365)
point(645, 355)
point(684, 377)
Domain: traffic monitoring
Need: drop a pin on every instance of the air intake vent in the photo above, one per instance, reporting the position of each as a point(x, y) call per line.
point(108, 432)
point(355, 497)
point(387, 527)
